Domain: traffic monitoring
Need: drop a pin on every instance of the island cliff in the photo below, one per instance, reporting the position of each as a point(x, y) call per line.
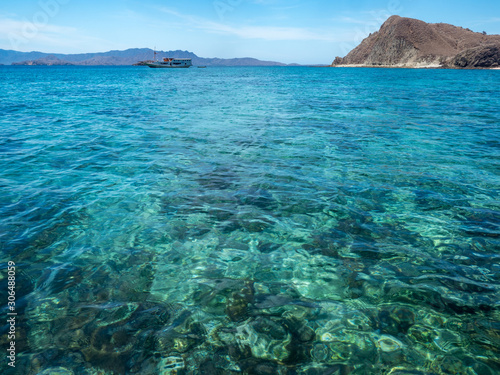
point(410, 43)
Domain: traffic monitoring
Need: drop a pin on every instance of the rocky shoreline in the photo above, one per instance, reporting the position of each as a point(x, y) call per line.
point(408, 67)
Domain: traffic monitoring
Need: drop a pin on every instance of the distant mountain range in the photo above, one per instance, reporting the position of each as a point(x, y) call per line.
point(411, 43)
point(127, 57)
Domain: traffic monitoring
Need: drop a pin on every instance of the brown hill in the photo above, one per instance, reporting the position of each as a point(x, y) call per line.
point(407, 42)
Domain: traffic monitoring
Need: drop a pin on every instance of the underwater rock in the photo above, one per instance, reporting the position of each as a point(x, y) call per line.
point(219, 179)
point(412, 295)
point(221, 213)
point(209, 367)
point(389, 344)
point(428, 200)
point(219, 288)
point(301, 206)
point(256, 196)
point(56, 371)
point(334, 352)
point(150, 316)
point(172, 342)
point(448, 341)
point(354, 285)
point(391, 350)
point(337, 369)
point(60, 277)
point(270, 301)
point(47, 358)
point(344, 346)
point(357, 320)
point(320, 352)
point(121, 337)
point(231, 243)
point(354, 227)
point(340, 352)
point(171, 366)
point(239, 352)
point(299, 351)
point(182, 231)
point(223, 361)
point(115, 313)
point(424, 335)
point(485, 334)
point(363, 348)
point(256, 367)
point(230, 225)
point(267, 301)
point(253, 222)
point(114, 362)
point(491, 367)
point(110, 348)
point(269, 327)
point(237, 308)
point(329, 244)
point(268, 247)
point(254, 226)
point(403, 371)
point(395, 320)
point(266, 338)
point(304, 333)
point(47, 310)
point(370, 250)
point(448, 364)
point(481, 223)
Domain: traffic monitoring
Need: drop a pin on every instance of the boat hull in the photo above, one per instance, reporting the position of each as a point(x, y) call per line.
point(168, 66)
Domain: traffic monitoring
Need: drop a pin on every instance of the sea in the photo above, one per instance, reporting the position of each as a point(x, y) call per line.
point(249, 220)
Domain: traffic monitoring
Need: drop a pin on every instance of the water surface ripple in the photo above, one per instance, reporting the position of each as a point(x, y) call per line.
point(251, 220)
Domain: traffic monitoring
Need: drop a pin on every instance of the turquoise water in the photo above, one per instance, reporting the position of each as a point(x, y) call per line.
point(251, 220)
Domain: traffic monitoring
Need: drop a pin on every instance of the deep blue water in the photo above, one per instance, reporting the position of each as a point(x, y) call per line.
point(251, 220)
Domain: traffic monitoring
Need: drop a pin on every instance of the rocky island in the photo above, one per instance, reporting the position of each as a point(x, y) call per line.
point(46, 61)
point(411, 43)
point(131, 56)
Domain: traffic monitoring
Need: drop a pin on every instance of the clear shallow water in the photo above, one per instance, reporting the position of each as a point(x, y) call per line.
point(252, 220)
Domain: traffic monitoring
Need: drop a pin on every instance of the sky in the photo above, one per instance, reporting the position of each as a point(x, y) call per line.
point(289, 31)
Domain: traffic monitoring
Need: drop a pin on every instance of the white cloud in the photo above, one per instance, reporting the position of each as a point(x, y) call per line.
point(272, 33)
point(29, 29)
point(268, 32)
point(25, 35)
point(492, 20)
point(351, 20)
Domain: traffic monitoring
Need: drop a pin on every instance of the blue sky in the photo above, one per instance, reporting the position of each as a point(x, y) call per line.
point(307, 32)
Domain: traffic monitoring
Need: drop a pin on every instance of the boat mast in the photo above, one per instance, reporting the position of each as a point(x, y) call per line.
point(154, 58)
